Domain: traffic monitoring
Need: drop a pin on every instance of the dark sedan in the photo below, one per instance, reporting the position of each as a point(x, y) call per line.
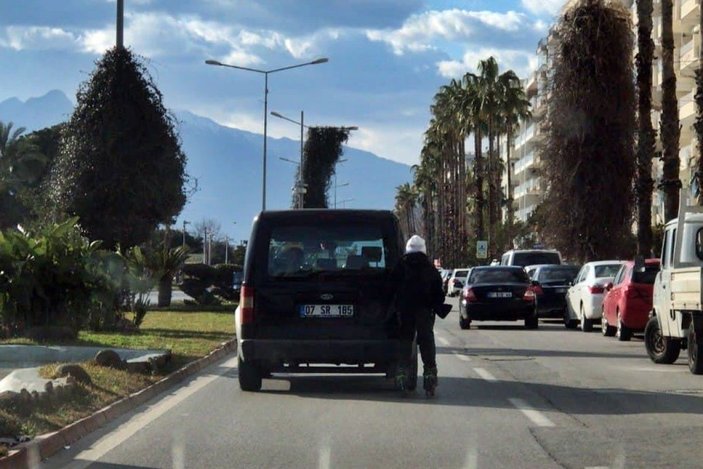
point(554, 281)
point(498, 293)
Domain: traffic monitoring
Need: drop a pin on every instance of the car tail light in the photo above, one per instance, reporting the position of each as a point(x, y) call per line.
point(537, 289)
point(596, 289)
point(470, 296)
point(246, 304)
point(529, 295)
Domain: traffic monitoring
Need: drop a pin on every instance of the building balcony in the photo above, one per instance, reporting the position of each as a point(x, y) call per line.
point(689, 12)
point(524, 163)
point(688, 54)
point(687, 112)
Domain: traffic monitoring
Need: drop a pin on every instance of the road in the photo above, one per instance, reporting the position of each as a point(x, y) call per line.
point(508, 397)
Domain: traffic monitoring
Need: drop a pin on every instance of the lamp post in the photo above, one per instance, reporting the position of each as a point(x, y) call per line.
point(302, 153)
point(299, 188)
point(344, 202)
point(335, 190)
point(266, 93)
point(184, 232)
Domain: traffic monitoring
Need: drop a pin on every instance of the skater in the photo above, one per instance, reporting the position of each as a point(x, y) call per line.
point(418, 294)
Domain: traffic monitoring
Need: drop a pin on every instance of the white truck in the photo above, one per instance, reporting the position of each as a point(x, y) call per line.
point(676, 321)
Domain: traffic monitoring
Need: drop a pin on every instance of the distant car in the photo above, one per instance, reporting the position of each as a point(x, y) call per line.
point(498, 294)
point(553, 282)
point(628, 300)
point(237, 278)
point(584, 299)
point(456, 281)
point(525, 257)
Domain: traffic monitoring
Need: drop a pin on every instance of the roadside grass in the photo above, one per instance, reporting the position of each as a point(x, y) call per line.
point(189, 335)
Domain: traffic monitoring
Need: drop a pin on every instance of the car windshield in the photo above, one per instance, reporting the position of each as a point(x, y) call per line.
point(298, 251)
point(524, 259)
point(607, 270)
point(557, 274)
point(498, 275)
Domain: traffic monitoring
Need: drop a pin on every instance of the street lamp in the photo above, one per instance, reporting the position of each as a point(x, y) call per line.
point(184, 232)
point(335, 190)
point(343, 202)
point(266, 93)
point(299, 188)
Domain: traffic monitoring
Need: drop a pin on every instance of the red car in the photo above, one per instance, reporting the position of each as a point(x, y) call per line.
point(628, 300)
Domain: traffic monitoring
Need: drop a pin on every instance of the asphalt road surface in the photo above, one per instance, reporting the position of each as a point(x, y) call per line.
point(508, 397)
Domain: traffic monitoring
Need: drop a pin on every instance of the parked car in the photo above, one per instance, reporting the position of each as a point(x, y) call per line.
point(628, 300)
point(525, 257)
point(457, 281)
point(237, 278)
point(315, 295)
point(584, 300)
point(498, 294)
point(446, 273)
point(553, 282)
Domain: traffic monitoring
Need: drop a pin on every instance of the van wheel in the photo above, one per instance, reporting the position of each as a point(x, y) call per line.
point(695, 351)
point(660, 349)
point(568, 322)
point(586, 324)
point(624, 333)
point(249, 376)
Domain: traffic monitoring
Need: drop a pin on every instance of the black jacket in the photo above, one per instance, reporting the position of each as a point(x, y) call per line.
point(417, 285)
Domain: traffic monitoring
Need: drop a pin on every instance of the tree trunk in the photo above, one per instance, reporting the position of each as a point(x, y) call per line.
point(670, 130)
point(491, 192)
point(509, 170)
point(478, 175)
point(646, 136)
point(165, 289)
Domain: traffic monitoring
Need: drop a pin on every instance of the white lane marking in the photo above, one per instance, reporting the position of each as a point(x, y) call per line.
point(462, 357)
point(178, 450)
point(531, 413)
point(442, 341)
point(125, 431)
point(325, 455)
point(471, 457)
point(596, 467)
point(485, 374)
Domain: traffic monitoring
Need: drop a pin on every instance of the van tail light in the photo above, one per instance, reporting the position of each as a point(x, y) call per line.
point(596, 289)
point(530, 294)
point(470, 296)
point(246, 304)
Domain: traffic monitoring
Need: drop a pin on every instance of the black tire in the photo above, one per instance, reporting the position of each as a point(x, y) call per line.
point(624, 333)
point(695, 351)
point(411, 382)
point(586, 324)
point(606, 329)
point(532, 322)
point(663, 350)
point(249, 376)
point(568, 322)
point(464, 323)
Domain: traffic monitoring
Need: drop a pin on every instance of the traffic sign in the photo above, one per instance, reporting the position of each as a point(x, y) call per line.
point(482, 249)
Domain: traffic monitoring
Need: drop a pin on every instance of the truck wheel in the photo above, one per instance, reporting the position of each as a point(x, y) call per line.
point(249, 375)
point(606, 329)
point(568, 322)
point(624, 333)
point(586, 324)
point(695, 351)
point(659, 348)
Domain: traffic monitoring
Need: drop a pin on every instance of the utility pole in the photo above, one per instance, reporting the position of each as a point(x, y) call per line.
point(209, 250)
point(205, 259)
point(120, 23)
point(226, 249)
point(184, 232)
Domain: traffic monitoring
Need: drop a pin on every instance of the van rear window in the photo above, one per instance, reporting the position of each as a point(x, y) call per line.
point(523, 259)
point(298, 251)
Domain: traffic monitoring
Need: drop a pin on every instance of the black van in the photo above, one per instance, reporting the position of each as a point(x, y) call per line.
point(316, 294)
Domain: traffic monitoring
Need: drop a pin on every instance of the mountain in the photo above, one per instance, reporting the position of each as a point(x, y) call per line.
point(227, 164)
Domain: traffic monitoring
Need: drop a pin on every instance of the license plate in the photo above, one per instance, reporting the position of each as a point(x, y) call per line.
point(560, 290)
point(500, 294)
point(326, 311)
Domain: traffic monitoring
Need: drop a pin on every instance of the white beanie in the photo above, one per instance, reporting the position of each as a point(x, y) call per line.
point(415, 244)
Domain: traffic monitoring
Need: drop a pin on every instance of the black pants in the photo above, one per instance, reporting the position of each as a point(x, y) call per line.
point(422, 324)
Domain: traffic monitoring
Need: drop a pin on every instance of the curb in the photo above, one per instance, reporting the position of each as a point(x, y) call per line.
point(30, 454)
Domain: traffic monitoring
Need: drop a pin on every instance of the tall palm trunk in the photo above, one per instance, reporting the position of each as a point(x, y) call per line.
point(670, 131)
point(478, 176)
point(699, 105)
point(645, 137)
point(491, 190)
point(509, 169)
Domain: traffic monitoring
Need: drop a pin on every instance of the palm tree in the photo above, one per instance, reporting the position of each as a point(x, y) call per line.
point(405, 202)
point(670, 130)
point(645, 136)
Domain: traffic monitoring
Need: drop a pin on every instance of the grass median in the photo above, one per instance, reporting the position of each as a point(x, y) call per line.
point(188, 334)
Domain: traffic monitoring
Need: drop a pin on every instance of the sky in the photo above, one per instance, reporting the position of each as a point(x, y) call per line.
point(387, 58)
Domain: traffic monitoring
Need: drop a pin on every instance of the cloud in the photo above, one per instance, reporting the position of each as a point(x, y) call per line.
point(521, 62)
point(538, 7)
point(421, 32)
point(36, 38)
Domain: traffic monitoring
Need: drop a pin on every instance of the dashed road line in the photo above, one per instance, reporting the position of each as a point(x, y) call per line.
point(462, 357)
point(485, 374)
point(531, 413)
point(442, 341)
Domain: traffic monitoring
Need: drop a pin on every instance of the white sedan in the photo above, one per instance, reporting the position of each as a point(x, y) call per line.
point(584, 299)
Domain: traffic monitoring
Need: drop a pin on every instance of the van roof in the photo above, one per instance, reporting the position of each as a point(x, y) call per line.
point(690, 218)
point(308, 213)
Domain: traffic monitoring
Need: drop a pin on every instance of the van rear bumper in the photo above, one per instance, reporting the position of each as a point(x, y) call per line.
point(321, 351)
